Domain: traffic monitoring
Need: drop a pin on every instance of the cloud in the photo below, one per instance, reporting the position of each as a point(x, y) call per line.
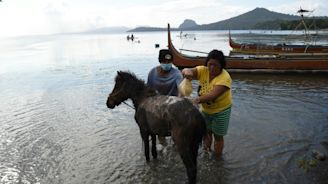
point(319, 7)
point(52, 16)
point(56, 8)
point(66, 17)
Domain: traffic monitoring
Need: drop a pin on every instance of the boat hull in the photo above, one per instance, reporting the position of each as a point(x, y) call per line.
point(292, 64)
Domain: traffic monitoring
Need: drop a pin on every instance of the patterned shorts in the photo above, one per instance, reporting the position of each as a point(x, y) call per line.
point(218, 123)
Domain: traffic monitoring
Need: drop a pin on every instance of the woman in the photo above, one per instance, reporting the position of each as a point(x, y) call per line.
point(215, 98)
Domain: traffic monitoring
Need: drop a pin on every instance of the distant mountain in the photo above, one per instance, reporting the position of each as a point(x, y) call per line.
point(141, 29)
point(105, 30)
point(188, 23)
point(249, 20)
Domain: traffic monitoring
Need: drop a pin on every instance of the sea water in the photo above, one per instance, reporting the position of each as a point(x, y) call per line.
point(55, 126)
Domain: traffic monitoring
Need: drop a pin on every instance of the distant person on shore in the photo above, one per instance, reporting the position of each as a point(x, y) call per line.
point(165, 78)
point(215, 98)
point(132, 37)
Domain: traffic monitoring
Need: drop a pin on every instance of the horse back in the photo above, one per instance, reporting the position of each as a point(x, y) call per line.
point(160, 114)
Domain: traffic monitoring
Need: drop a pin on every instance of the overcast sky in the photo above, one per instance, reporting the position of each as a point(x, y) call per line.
point(29, 17)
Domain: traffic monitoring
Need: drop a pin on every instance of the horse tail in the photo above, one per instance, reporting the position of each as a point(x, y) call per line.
point(199, 133)
point(201, 129)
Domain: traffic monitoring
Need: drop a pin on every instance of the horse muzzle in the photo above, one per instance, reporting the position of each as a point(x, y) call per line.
point(110, 103)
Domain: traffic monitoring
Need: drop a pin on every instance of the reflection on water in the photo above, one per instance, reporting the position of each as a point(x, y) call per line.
point(287, 116)
point(55, 127)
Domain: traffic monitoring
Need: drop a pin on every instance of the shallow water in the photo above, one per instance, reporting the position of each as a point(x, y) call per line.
point(55, 126)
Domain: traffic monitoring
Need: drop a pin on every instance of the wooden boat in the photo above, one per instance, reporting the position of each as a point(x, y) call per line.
point(248, 48)
point(254, 48)
point(255, 64)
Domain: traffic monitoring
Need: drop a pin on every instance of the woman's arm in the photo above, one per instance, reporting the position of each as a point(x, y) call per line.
point(216, 92)
point(189, 73)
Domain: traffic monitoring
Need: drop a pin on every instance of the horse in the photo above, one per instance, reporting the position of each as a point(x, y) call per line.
point(162, 115)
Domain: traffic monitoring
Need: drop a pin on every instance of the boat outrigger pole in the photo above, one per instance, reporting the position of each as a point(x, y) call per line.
point(306, 30)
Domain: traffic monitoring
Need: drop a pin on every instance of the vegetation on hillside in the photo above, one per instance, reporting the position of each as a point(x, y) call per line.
point(312, 24)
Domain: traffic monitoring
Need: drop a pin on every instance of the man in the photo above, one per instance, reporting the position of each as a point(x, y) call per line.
point(165, 78)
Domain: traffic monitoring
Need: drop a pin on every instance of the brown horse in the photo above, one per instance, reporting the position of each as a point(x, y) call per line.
point(162, 115)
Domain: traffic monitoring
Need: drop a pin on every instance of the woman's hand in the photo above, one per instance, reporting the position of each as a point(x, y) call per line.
point(196, 101)
point(187, 73)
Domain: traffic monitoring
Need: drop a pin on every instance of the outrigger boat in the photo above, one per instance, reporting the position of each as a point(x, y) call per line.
point(308, 48)
point(255, 64)
point(279, 49)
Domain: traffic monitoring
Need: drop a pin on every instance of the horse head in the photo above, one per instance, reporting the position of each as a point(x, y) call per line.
point(120, 91)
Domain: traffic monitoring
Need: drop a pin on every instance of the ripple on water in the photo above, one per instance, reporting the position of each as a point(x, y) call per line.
point(61, 131)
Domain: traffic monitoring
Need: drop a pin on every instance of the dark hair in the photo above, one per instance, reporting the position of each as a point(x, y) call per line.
point(165, 54)
point(217, 55)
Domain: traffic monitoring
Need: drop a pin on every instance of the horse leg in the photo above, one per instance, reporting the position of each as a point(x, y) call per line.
point(153, 146)
point(145, 138)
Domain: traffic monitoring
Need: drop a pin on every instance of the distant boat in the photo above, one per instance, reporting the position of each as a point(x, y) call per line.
point(256, 63)
point(255, 48)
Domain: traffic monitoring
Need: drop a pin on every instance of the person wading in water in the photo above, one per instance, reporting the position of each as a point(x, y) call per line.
point(165, 78)
point(215, 98)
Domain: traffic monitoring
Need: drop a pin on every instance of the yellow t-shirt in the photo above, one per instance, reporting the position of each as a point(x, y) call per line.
point(223, 101)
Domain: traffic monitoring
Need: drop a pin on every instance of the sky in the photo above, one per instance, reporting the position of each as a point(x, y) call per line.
point(34, 17)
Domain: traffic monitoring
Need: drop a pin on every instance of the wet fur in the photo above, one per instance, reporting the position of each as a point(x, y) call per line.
point(162, 115)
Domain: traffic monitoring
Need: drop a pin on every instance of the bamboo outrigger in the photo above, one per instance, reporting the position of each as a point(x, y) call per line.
point(255, 64)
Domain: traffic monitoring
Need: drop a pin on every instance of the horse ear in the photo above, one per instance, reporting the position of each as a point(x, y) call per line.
point(119, 73)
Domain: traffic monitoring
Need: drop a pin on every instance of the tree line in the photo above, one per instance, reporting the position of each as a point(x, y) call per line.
point(312, 24)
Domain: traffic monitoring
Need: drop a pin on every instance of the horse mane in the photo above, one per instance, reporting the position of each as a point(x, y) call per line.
point(137, 85)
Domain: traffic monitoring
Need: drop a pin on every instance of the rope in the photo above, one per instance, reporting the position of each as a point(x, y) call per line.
point(128, 105)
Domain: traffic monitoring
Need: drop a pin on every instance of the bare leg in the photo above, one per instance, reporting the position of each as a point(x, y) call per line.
point(218, 145)
point(207, 141)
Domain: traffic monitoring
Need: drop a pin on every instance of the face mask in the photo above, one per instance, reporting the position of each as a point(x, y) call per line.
point(166, 67)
